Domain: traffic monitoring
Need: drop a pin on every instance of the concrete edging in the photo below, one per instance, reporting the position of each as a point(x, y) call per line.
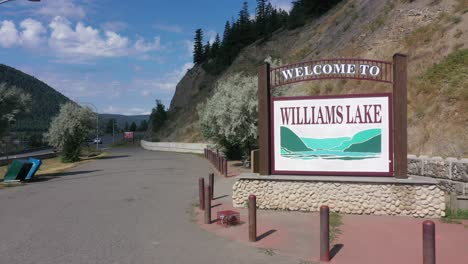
point(197, 148)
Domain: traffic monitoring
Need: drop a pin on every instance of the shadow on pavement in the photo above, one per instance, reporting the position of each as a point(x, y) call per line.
point(51, 176)
point(220, 197)
point(335, 249)
point(267, 233)
point(112, 157)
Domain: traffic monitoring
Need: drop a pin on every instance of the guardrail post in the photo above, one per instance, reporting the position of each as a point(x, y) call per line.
point(324, 233)
point(207, 205)
point(252, 218)
point(429, 255)
point(201, 193)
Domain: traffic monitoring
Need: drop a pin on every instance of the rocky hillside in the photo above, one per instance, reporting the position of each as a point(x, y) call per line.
point(433, 33)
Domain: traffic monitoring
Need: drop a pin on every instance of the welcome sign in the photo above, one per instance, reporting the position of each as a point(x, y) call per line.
point(333, 135)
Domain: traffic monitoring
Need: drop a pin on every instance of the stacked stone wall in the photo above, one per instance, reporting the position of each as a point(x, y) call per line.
point(452, 173)
point(349, 198)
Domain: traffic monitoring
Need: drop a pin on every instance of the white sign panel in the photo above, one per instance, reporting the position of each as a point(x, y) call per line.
point(335, 135)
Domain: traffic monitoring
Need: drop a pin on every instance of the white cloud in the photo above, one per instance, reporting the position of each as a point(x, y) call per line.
point(125, 111)
point(165, 84)
point(142, 46)
point(211, 35)
point(189, 47)
point(114, 26)
point(65, 8)
point(32, 32)
point(8, 33)
point(84, 40)
point(283, 4)
point(169, 28)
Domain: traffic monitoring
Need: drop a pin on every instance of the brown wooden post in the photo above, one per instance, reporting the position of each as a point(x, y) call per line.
point(400, 136)
point(201, 193)
point(252, 218)
point(429, 244)
point(225, 168)
point(207, 205)
point(324, 233)
point(211, 183)
point(264, 119)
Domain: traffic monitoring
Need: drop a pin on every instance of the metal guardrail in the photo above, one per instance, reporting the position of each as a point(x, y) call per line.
point(37, 156)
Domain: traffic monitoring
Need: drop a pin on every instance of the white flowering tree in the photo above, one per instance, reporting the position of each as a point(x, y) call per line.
point(12, 103)
point(69, 129)
point(230, 117)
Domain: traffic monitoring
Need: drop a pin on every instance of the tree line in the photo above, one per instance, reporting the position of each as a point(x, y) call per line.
point(239, 33)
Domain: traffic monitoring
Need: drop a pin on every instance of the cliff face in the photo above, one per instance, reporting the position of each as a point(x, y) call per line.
point(427, 31)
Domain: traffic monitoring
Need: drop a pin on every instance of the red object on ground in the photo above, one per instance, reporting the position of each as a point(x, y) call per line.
point(228, 218)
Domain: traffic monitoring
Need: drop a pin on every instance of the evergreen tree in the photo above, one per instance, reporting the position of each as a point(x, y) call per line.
point(215, 47)
point(261, 17)
point(158, 116)
point(143, 125)
point(198, 47)
point(110, 126)
point(133, 127)
point(206, 51)
point(126, 126)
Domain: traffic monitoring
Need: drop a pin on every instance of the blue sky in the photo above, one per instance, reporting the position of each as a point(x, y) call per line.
point(118, 55)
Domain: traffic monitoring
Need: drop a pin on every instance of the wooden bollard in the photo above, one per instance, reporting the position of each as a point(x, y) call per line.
point(201, 193)
point(219, 162)
point(211, 183)
point(324, 233)
point(225, 168)
point(429, 254)
point(252, 218)
point(207, 205)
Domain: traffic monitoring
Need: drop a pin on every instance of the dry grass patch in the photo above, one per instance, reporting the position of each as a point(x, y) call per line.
point(55, 165)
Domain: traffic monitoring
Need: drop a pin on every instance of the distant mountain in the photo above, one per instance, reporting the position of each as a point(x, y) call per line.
point(45, 100)
point(121, 119)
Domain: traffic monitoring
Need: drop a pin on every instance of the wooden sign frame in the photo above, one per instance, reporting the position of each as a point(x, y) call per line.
point(394, 73)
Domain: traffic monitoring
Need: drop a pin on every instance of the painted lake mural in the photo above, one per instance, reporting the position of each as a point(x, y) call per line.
point(365, 144)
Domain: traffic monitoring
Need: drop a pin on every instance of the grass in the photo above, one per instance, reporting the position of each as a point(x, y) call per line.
point(54, 166)
point(450, 76)
point(377, 23)
point(267, 251)
point(423, 35)
point(191, 212)
point(335, 223)
point(452, 217)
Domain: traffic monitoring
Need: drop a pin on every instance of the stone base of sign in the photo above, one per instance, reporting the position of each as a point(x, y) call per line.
point(415, 196)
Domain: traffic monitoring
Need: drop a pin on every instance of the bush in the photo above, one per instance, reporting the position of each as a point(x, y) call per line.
point(69, 129)
point(230, 117)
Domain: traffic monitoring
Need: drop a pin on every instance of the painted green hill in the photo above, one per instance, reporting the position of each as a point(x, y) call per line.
point(291, 142)
point(358, 138)
point(373, 145)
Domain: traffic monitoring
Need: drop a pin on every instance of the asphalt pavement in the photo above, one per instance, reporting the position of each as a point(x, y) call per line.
point(133, 207)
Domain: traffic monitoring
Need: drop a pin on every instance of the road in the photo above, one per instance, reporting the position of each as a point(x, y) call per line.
point(133, 207)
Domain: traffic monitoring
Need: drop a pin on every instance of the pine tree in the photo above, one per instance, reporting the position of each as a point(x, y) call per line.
point(198, 47)
point(261, 17)
point(215, 47)
point(206, 51)
point(133, 127)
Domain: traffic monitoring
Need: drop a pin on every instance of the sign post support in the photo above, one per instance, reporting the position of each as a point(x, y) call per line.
point(264, 119)
point(400, 116)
